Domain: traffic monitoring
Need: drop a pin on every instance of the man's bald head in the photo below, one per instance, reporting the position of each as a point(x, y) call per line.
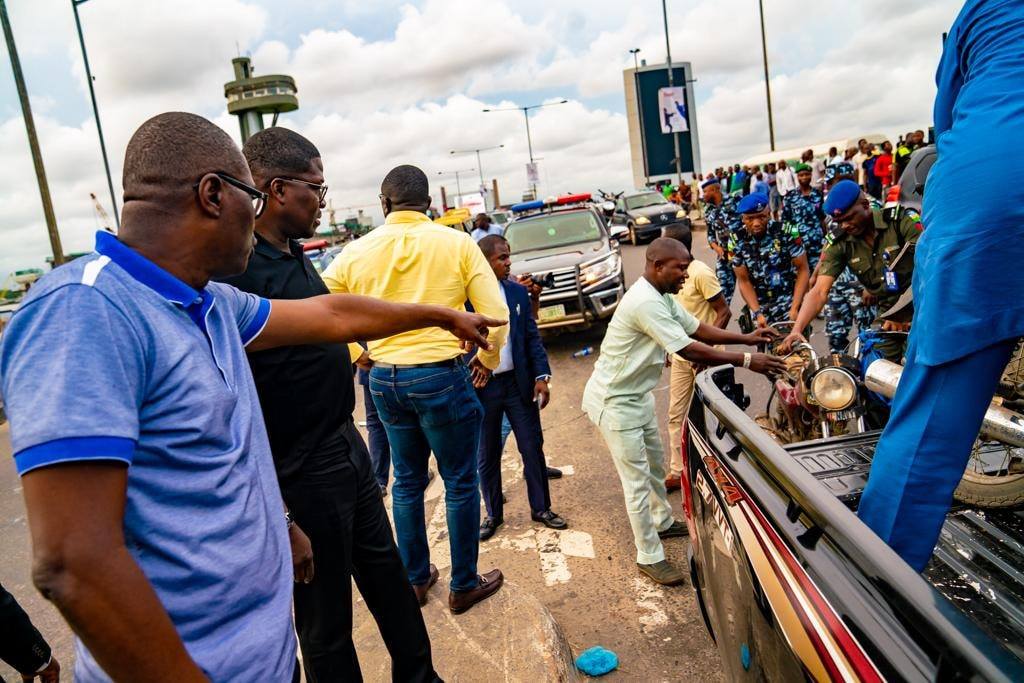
point(170, 152)
point(667, 261)
point(664, 248)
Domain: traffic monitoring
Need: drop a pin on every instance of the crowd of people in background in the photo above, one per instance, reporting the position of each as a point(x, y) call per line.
point(877, 166)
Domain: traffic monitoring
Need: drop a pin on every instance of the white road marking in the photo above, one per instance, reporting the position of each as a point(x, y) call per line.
point(649, 598)
point(554, 548)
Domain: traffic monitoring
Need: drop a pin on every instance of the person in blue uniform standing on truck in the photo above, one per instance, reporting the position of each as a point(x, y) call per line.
point(968, 305)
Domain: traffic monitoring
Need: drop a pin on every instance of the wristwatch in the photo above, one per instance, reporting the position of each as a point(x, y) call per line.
point(544, 378)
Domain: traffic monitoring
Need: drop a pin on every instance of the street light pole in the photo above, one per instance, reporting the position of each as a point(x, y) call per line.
point(479, 163)
point(668, 58)
point(767, 86)
point(526, 116)
point(458, 182)
point(33, 140)
point(96, 112)
point(640, 111)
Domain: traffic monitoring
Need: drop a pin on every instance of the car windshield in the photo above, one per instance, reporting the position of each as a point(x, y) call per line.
point(553, 230)
point(642, 200)
point(499, 217)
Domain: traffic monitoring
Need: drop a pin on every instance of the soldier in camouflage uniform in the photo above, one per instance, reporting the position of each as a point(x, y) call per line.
point(877, 246)
point(846, 303)
point(802, 214)
point(770, 264)
point(723, 223)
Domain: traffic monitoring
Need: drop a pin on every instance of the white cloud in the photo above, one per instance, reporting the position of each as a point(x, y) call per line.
point(414, 91)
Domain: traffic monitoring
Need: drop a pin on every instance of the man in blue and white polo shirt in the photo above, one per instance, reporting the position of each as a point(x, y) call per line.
point(157, 524)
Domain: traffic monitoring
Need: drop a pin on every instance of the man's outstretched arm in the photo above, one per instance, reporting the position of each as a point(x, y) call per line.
point(348, 317)
point(81, 564)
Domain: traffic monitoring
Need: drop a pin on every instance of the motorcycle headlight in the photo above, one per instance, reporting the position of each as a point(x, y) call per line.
point(643, 220)
point(681, 213)
point(596, 272)
point(833, 389)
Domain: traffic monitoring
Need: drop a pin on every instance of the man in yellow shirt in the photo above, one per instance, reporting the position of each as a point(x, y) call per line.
point(701, 295)
point(419, 382)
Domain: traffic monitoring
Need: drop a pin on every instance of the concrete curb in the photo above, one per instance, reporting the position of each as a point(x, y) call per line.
point(509, 637)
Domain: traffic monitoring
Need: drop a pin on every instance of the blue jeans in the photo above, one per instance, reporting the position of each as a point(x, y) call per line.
point(380, 450)
point(424, 410)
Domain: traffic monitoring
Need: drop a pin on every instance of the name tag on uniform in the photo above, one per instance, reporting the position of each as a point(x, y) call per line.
point(776, 280)
point(891, 283)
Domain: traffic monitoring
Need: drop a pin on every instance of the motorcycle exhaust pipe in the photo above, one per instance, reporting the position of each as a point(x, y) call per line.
point(999, 424)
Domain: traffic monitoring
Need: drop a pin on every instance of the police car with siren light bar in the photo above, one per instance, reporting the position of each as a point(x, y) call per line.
point(566, 240)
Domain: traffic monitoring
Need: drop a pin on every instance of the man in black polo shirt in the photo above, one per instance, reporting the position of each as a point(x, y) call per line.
point(307, 396)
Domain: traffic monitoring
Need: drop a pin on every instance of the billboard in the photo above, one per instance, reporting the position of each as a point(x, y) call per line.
point(658, 113)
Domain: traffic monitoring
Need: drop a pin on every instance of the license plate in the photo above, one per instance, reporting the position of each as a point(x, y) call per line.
point(551, 312)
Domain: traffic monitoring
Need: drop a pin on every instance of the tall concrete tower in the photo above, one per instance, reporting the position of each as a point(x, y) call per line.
point(250, 97)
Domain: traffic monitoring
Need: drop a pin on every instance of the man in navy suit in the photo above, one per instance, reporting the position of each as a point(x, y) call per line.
point(518, 388)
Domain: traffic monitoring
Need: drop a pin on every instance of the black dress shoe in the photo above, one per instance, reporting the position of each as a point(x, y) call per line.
point(489, 526)
point(550, 520)
point(554, 473)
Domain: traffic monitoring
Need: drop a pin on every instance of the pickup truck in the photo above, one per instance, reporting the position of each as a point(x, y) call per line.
point(792, 586)
point(566, 240)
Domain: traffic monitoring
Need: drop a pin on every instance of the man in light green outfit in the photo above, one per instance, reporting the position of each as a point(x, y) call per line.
point(648, 324)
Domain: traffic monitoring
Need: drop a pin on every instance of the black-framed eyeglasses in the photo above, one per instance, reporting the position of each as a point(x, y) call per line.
point(259, 198)
point(320, 189)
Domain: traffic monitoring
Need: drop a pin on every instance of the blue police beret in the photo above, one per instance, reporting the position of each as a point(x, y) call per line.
point(755, 202)
point(841, 197)
point(710, 181)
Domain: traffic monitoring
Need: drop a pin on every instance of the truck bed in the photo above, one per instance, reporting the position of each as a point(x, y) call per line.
point(978, 564)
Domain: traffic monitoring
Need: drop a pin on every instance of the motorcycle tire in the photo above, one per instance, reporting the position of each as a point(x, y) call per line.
point(986, 491)
point(1004, 491)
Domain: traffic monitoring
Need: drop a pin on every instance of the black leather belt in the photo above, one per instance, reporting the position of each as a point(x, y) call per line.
point(450, 363)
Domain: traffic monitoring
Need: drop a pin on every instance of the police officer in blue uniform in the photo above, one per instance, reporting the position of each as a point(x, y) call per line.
point(802, 214)
point(968, 282)
point(723, 223)
point(770, 264)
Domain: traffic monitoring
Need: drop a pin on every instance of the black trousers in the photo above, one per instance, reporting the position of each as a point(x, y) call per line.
point(343, 514)
point(502, 396)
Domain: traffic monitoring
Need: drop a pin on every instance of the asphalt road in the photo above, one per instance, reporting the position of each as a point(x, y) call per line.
point(586, 577)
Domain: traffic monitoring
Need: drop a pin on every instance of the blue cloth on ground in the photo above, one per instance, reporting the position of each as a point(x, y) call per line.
point(597, 661)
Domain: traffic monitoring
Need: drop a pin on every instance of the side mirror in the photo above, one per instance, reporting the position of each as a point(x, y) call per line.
point(613, 243)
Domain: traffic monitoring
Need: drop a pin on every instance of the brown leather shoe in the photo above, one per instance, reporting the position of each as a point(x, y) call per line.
point(422, 588)
point(673, 483)
point(489, 584)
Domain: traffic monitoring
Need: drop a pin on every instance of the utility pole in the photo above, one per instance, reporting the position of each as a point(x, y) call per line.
point(526, 115)
point(33, 140)
point(96, 112)
point(767, 86)
point(640, 110)
point(668, 58)
point(479, 164)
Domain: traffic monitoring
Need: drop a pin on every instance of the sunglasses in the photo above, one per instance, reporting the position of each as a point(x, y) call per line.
point(320, 189)
point(259, 199)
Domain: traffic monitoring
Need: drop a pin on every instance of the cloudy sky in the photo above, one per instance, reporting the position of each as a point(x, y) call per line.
point(384, 82)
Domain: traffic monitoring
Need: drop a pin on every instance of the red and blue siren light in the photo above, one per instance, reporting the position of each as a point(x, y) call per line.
point(552, 201)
